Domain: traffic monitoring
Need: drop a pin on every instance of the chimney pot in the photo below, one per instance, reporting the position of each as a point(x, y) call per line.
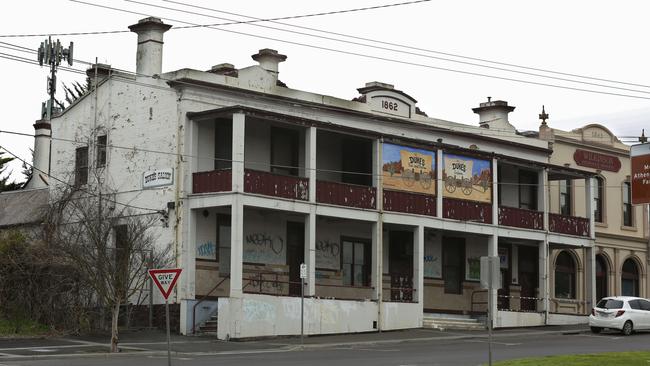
point(224, 69)
point(494, 114)
point(269, 59)
point(150, 46)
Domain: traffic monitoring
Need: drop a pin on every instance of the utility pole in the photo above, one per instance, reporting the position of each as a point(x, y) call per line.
point(52, 53)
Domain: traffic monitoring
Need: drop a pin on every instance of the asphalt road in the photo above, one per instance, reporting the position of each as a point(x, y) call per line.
point(472, 351)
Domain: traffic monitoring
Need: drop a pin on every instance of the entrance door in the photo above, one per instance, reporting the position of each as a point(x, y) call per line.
point(601, 277)
point(295, 254)
point(528, 279)
point(503, 301)
point(453, 264)
point(400, 265)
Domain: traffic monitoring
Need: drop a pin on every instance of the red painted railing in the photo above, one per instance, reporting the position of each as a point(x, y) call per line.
point(465, 210)
point(570, 225)
point(344, 194)
point(212, 181)
point(421, 204)
point(276, 185)
point(519, 217)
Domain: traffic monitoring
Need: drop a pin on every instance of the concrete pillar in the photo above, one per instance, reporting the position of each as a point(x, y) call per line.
point(310, 161)
point(495, 193)
point(590, 278)
point(493, 251)
point(236, 246)
point(543, 260)
point(439, 183)
point(377, 150)
point(542, 194)
point(310, 252)
point(238, 143)
point(589, 203)
point(418, 265)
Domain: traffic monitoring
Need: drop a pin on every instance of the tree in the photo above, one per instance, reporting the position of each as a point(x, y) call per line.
point(5, 184)
point(110, 245)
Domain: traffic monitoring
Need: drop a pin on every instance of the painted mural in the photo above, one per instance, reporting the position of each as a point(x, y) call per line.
point(409, 169)
point(467, 178)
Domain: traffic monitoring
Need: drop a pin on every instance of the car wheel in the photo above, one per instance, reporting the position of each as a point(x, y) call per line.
point(627, 328)
point(596, 329)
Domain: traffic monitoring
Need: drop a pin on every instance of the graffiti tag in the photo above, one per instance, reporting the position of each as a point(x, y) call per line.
point(328, 248)
point(264, 240)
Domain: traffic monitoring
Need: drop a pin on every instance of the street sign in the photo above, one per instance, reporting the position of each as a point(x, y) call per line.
point(490, 264)
point(640, 175)
point(303, 270)
point(165, 279)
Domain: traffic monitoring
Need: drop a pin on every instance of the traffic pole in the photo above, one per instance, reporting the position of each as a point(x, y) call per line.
point(169, 347)
point(302, 310)
point(490, 315)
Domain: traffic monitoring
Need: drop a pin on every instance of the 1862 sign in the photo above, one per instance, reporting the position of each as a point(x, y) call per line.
point(595, 160)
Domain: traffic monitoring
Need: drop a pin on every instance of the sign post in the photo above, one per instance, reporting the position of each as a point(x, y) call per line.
point(490, 271)
point(640, 175)
point(165, 280)
point(303, 275)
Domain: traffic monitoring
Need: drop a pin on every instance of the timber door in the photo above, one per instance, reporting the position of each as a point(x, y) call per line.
point(400, 265)
point(453, 264)
point(295, 254)
point(528, 279)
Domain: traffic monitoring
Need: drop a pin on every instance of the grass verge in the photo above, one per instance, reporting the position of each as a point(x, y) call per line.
point(599, 359)
point(22, 328)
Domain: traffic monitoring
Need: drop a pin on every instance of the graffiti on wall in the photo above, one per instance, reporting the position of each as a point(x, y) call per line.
point(467, 178)
point(206, 250)
point(328, 254)
point(408, 169)
point(264, 248)
point(432, 255)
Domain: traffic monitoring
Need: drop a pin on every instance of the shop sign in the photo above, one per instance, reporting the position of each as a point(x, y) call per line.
point(158, 178)
point(596, 160)
point(640, 174)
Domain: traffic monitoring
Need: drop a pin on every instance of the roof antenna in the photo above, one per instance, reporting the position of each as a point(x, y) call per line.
point(643, 138)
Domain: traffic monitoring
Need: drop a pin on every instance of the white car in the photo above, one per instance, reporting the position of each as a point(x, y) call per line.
point(624, 313)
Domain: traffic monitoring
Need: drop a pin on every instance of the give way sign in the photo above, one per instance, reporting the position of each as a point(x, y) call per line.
point(165, 279)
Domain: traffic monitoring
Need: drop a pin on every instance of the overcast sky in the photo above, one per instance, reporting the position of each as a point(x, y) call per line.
point(601, 39)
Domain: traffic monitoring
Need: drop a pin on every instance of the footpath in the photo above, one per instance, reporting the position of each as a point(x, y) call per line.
point(153, 342)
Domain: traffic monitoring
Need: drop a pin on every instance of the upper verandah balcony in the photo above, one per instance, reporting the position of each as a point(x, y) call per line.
point(287, 160)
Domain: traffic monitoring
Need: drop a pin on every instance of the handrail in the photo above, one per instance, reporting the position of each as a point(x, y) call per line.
point(477, 302)
point(203, 299)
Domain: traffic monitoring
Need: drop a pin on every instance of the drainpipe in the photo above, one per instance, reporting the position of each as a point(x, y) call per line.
point(177, 192)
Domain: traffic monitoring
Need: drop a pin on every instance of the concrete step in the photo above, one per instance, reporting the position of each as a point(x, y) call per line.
point(451, 320)
point(456, 323)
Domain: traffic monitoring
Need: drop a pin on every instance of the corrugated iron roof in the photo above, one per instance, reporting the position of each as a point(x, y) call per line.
point(22, 207)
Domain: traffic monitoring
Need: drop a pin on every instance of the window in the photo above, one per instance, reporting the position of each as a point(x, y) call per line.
point(630, 279)
point(565, 197)
point(610, 304)
point(284, 151)
point(598, 200)
point(355, 262)
point(101, 151)
point(81, 166)
point(528, 190)
point(635, 304)
point(565, 276)
point(627, 205)
point(645, 305)
point(223, 144)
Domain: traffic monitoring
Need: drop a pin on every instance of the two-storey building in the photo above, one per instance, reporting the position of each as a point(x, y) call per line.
point(389, 209)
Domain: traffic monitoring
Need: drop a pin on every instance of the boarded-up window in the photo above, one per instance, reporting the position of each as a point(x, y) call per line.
point(101, 151)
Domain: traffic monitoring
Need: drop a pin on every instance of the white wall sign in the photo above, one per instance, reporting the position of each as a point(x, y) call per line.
point(158, 178)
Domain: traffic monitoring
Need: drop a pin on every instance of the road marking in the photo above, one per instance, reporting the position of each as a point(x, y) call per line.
point(499, 343)
point(175, 358)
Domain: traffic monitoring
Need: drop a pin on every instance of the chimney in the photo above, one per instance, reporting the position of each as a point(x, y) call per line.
point(269, 60)
point(102, 71)
point(494, 115)
point(41, 163)
point(150, 46)
point(224, 69)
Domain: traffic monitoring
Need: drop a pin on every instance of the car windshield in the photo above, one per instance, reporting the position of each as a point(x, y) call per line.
point(610, 304)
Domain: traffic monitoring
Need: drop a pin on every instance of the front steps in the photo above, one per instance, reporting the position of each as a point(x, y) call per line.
point(209, 327)
point(451, 322)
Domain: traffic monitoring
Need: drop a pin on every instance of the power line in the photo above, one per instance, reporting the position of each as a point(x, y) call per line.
point(381, 58)
point(198, 26)
point(409, 47)
point(76, 187)
point(387, 48)
point(250, 162)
